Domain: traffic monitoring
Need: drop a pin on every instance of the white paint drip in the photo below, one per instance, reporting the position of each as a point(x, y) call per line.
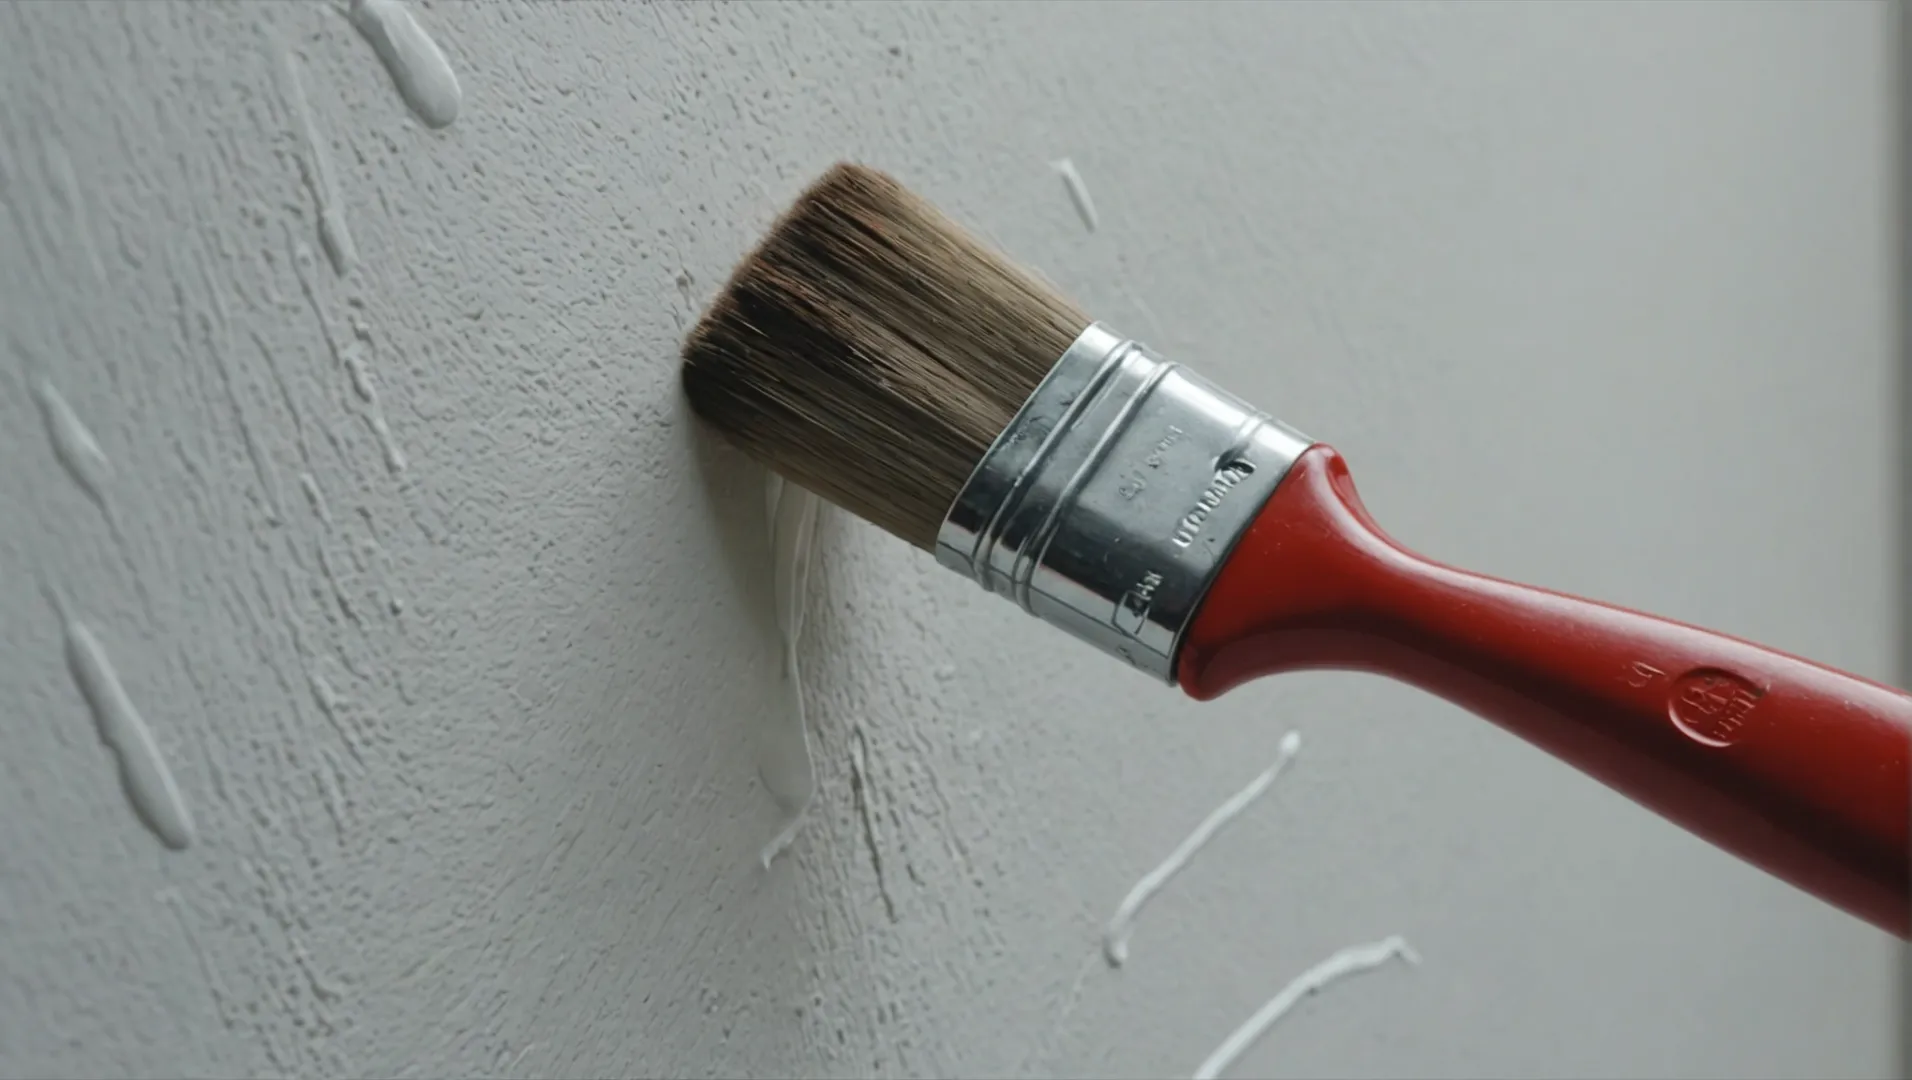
point(72, 442)
point(1078, 190)
point(143, 773)
point(787, 765)
point(80, 455)
point(316, 166)
point(1115, 938)
point(417, 66)
point(1348, 961)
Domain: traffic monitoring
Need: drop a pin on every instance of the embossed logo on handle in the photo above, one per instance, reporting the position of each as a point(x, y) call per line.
point(1712, 706)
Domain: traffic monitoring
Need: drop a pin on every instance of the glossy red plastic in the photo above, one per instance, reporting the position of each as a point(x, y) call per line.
point(1798, 768)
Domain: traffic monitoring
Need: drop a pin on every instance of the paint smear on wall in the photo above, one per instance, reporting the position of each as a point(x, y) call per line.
point(315, 165)
point(350, 355)
point(1349, 961)
point(1078, 192)
point(73, 443)
point(786, 762)
point(1115, 938)
point(353, 355)
point(143, 773)
point(418, 68)
point(862, 792)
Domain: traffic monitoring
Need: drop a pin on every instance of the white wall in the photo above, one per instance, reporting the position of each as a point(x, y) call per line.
point(1598, 296)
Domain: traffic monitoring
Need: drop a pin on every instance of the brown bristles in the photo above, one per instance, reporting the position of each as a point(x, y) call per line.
point(871, 350)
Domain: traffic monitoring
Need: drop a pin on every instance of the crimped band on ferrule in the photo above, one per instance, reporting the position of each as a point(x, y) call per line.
point(1110, 502)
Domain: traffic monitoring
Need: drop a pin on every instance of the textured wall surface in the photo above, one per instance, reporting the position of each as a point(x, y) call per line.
point(446, 639)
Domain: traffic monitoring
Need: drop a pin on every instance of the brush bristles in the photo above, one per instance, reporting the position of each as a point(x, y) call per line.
point(871, 350)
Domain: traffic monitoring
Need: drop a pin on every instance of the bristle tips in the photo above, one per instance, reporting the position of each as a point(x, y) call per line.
point(870, 349)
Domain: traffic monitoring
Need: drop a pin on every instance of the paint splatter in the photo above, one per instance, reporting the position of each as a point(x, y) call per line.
point(1348, 961)
point(315, 165)
point(418, 68)
point(787, 765)
point(72, 442)
point(1115, 938)
point(143, 773)
point(1078, 192)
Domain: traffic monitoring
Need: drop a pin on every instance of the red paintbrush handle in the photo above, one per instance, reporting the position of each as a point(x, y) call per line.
point(1795, 767)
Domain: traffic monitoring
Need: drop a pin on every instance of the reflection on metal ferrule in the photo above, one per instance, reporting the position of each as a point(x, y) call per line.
point(1110, 502)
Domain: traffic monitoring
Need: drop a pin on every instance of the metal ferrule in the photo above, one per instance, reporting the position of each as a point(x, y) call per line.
point(1110, 502)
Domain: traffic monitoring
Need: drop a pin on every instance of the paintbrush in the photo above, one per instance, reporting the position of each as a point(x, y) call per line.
point(878, 354)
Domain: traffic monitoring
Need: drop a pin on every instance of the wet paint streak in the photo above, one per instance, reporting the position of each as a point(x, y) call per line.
point(1349, 961)
point(73, 443)
point(1115, 939)
point(315, 165)
point(416, 64)
point(1078, 190)
point(80, 455)
point(148, 783)
point(787, 765)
